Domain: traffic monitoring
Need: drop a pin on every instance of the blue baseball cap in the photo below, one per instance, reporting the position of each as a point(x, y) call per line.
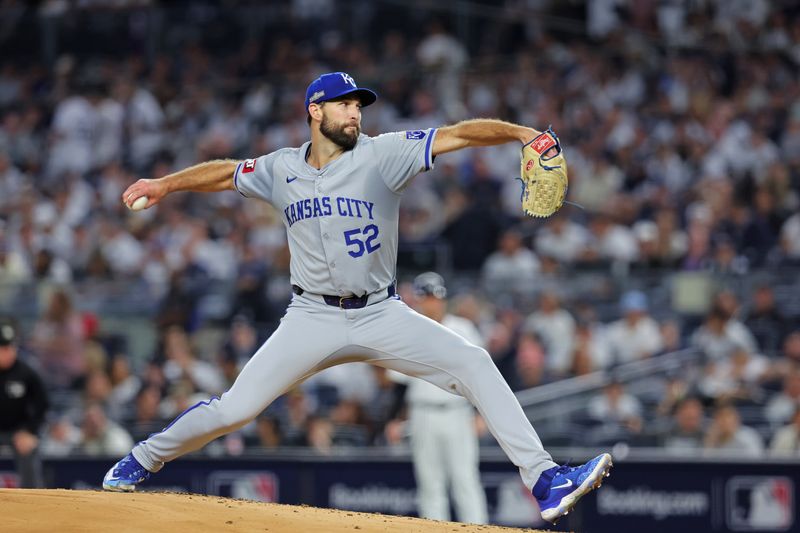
point(336, 84)
point(633, 301)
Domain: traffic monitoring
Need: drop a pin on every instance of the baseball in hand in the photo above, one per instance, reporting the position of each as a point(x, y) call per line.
point(138, 204)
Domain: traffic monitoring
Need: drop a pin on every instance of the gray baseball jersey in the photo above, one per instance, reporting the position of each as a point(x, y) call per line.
point(341, 219)
point(342, 224)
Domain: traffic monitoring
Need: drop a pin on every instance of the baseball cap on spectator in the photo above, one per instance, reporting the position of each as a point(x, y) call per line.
point(7, 334)
point(430, 284)
point(633, 301)
point(336, 84)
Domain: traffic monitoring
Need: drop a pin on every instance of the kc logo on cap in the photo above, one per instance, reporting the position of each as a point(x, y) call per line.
point(334, 85)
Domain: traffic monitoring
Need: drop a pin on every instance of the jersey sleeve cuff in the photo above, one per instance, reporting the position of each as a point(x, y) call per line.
point(236, 179)
point(429, 149)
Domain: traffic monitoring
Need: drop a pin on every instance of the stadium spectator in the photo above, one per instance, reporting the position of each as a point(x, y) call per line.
point(241, 343)
point(146, 418)
point(251, 300)
point(609, 241)
point(58, 342)
point(719, 335)
point(618, 412)
point(512, 268)
point(592, 348)
point(786, 441)
point(268, 431)
point(727, 434)
point(687, 430)
point(61, 438)
point(294, 416)
point(530, 361)
point(555, 326)
point(351, 426)
point(781, 407)
point(501, 343)
point(736, 378)
point(97, 390)
point(790, 235)
point(636, 335)
point(125, 385)
point(672, 241)
point(671, 335)
point(791, 349)
point(766, 321)
point(318, 435)
point(101, 436)
point(562, 239)
point(182, 364)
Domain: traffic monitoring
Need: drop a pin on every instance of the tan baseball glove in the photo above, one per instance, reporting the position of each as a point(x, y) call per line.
point(544, 175)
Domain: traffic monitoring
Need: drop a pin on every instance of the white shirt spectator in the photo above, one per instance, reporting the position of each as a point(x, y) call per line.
point(145, 120)
point(562, 240)
point(506, 270)
point(618, 244)
point(786, 441)
point(110, 115)
point(598, 347)
point(790, 236)
point(626, 406)
point(720, 346)
point(745, 442)
point(594, 184)
point(123, 252)
point(13, 266)
point(442, 51)
point(217, 258)
point(780, 408)
point(353, 381)
point(12, 182)
point(205, 376)
point(633, 341)
point(557, 331)
point(60, 439)
point(113, 440)
point(603, 16)
point(75, 126)
point(724, 378)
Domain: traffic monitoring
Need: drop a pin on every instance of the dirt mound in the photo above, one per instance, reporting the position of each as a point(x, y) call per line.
point(78, 511)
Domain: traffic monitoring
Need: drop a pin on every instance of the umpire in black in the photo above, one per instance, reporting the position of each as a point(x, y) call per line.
point(23, 403)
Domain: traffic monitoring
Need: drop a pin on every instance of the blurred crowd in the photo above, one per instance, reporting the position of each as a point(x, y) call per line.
point(680, 121)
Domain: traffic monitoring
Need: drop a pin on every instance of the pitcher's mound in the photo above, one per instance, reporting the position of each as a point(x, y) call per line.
point(78, 511)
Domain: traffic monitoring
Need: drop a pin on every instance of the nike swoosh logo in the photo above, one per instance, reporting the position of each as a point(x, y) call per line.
point(289, 180)
point(564, 486)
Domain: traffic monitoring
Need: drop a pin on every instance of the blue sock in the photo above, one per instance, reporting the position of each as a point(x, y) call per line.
point(542, 487)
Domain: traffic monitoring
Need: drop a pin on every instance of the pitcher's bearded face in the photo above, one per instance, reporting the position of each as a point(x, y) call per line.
point(341, 122)
point(344, 135)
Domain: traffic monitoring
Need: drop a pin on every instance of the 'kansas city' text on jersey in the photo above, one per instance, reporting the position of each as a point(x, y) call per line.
point(342, 219)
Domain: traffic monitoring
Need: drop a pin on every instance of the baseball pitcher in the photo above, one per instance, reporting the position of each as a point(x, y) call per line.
point(339, 196)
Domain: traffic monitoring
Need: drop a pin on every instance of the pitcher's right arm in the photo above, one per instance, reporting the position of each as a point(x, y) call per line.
point(211, 176)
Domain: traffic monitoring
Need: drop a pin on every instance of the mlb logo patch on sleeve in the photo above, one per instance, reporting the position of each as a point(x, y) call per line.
point(415, 135)
point(249, 166)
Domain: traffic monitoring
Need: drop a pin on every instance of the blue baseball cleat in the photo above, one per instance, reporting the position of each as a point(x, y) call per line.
point(125, 475)
point(560, 488)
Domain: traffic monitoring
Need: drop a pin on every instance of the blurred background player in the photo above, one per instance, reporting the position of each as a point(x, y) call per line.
point(23, 403)
point(444, 442)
